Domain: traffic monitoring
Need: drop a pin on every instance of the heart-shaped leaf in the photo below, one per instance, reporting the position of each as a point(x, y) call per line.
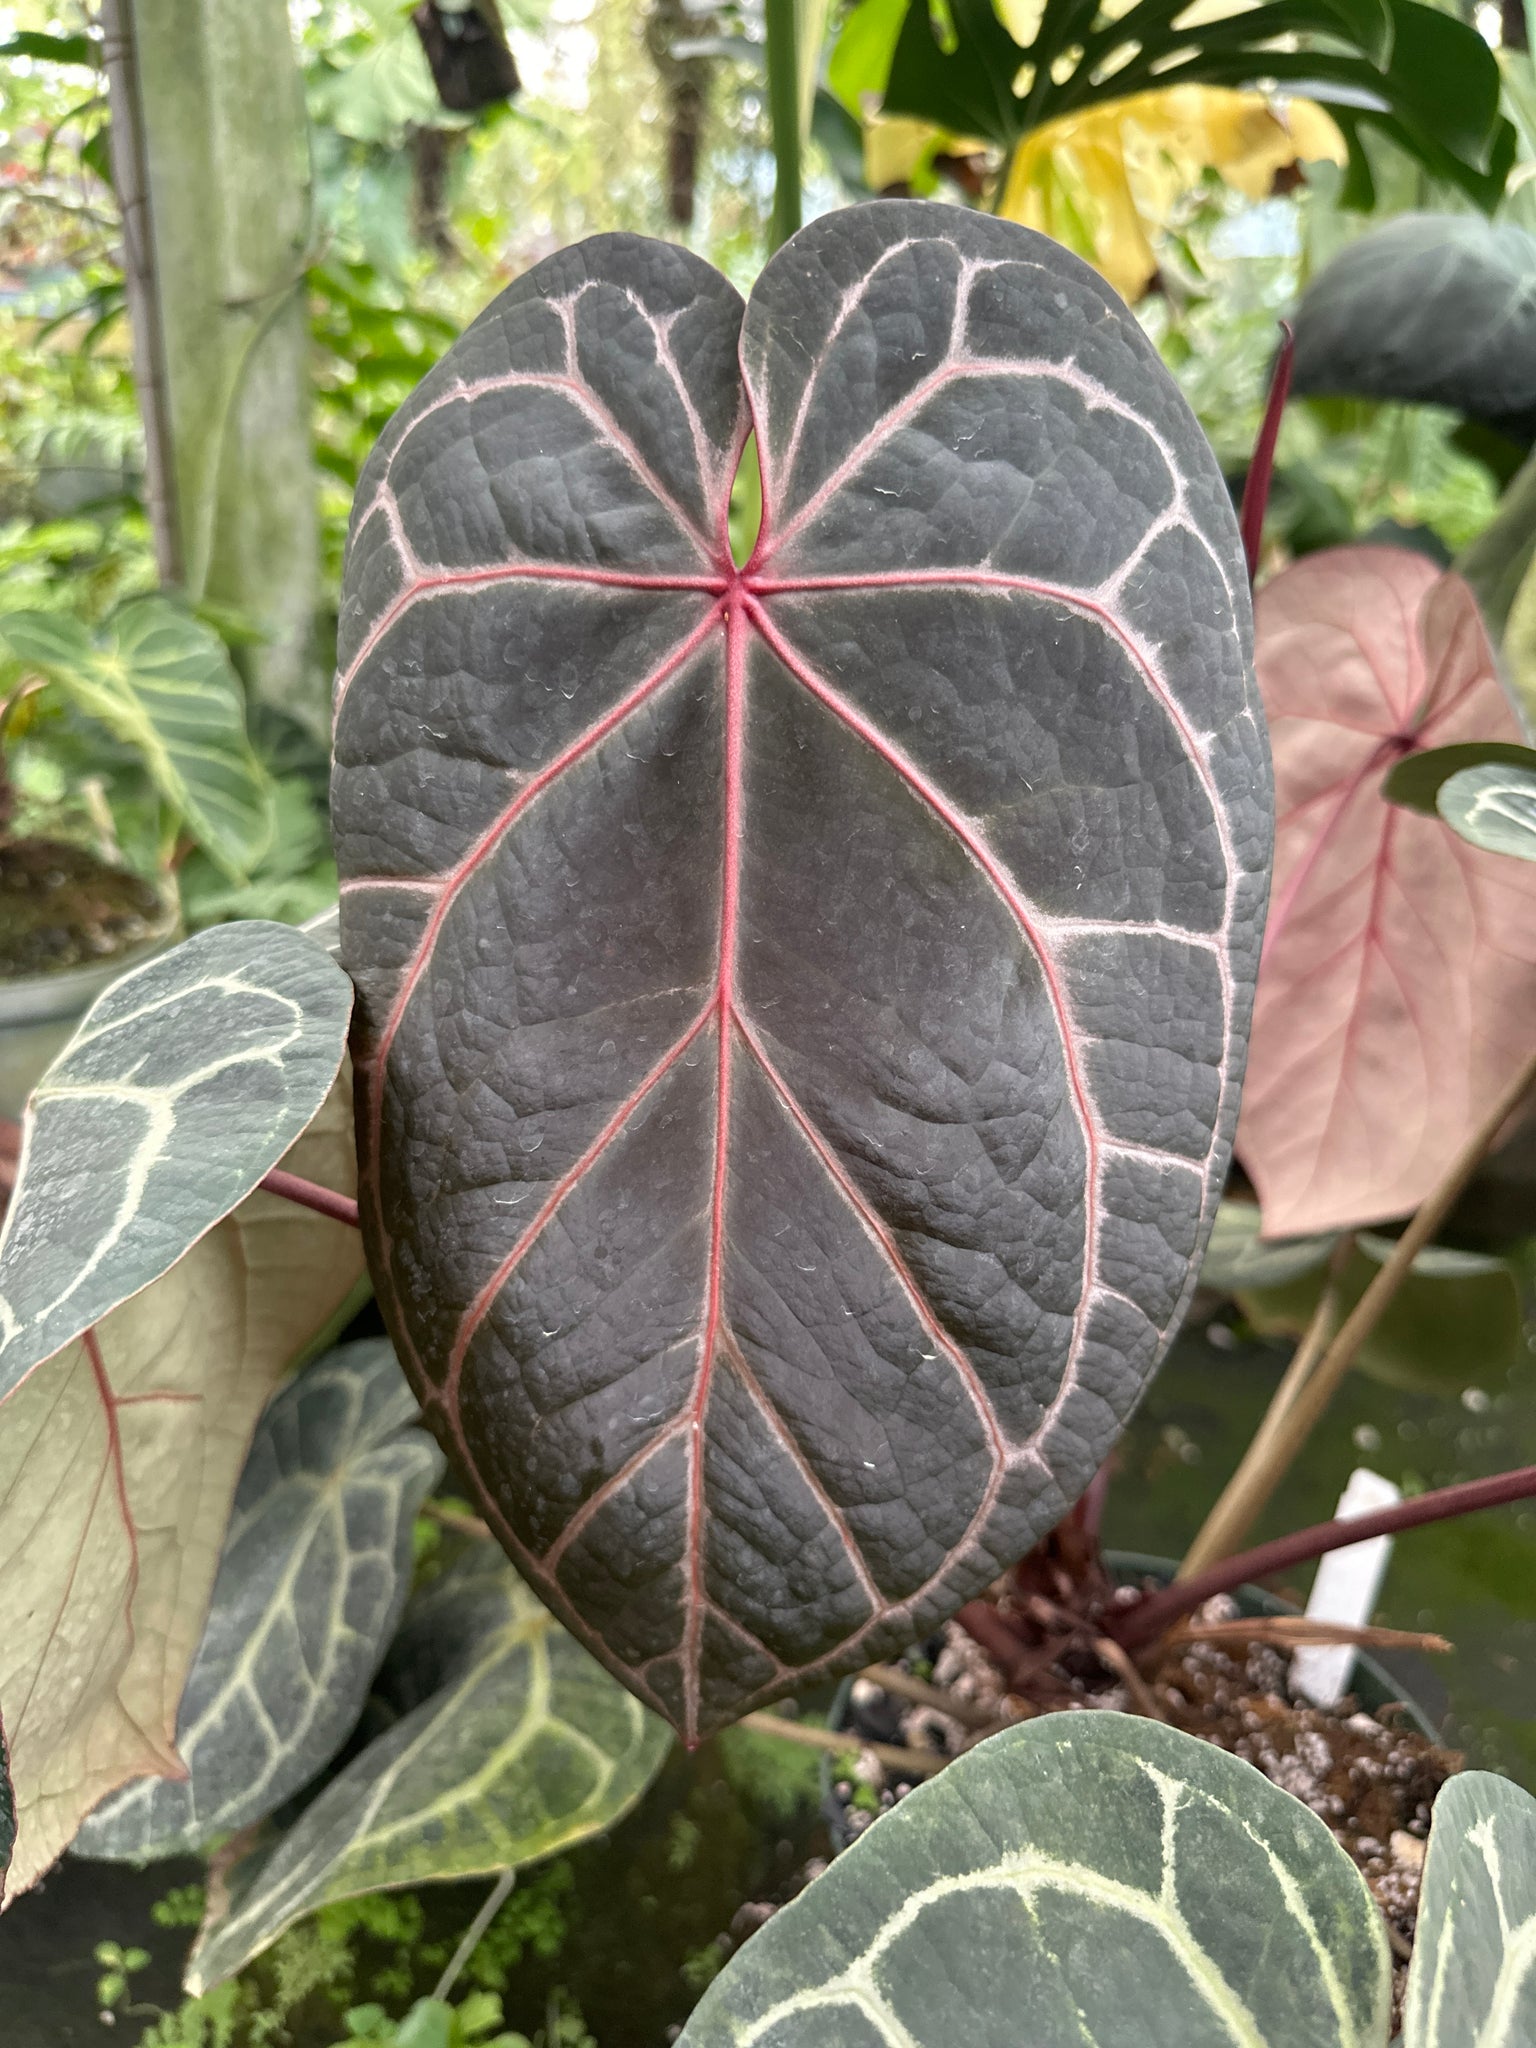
point(118, 1461)
point(512, 1744)
point(313, 1576)
point(185, 1083)
point(800, 1006)
point(163, 683)
point(1400, 964)
point(1434, 308)
point(1493, 807)
point(1418, 778)
point(1082, 1881)
point(1472, 1980)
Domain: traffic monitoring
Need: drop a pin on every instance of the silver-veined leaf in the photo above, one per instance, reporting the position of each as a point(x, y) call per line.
point(1087, 1880)
point(119, 1458)
point(1472, 1980)
point(163, 683)
point(185, 1083)
point(1493, 807)
point(313, 1577)
point(513, 1743)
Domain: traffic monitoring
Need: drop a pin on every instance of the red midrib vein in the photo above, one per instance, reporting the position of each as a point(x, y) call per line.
point(725, 1004)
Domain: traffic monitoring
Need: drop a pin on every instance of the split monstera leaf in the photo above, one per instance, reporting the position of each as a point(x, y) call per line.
point(800, 1004)
point(1122, 1883)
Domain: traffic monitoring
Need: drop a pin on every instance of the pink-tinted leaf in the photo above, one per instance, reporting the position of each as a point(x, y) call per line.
point(1398, 985)
point(800, 1006)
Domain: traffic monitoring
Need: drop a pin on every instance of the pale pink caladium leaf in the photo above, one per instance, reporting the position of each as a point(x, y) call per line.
point(1399, 969)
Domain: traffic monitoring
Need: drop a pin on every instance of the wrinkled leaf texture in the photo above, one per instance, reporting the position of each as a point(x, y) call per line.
point(800, 1007)
point(1400, 963)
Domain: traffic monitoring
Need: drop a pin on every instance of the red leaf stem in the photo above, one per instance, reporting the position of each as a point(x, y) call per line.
point(309, 1195)
point(1143, 1623)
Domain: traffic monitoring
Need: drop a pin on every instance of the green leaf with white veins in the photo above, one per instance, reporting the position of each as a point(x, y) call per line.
point(162, 682)
point(185, 1083)
point(1493, 807)
point(314, 1573)
point(1472, 1981)
point(513, 1744)
point(1086, 1880)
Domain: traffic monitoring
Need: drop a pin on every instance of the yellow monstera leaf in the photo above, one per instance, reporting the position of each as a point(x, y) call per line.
point(1105, 180)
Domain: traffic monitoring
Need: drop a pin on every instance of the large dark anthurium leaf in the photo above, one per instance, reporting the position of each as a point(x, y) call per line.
point(7, 1814)
point(1433, 309)
point(800, 1008)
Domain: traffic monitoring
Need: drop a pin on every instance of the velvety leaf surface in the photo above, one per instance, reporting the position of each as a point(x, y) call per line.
point(512, 1744)
point(164, 683)
point(1433, 308)
point(185, 1083)
point(1082, 1881)
point(1492, 807)
point(1472, 1980)
point(118, 1461)
point(312, 1580)
point(800, 1008)
point(1400, 963)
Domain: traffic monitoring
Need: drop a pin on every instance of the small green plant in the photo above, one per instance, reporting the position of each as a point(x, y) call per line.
point(118, 1966)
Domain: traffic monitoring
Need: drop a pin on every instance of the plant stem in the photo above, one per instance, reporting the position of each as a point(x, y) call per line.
point(912, 1763)
point(1261, 469)
point(784, 118)
point(324, 1201)
point(1247, 1493)
point(497, 1897)
point(1274, 1450)
point(891, 1678)
point(1145, 1622)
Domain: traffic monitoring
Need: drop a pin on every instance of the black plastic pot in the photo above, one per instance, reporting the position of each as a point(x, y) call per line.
point(1372, 1684)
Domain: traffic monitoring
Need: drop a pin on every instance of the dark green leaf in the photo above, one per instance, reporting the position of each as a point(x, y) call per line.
point(184, 1084)
point(48, 49)
point(314, 1573)
point(513, 1743)
point(163, 683)
point(1472, 1980)
point(1417, 779)
point(1492, 807)
point(1433, 309)
point(1082, 1881)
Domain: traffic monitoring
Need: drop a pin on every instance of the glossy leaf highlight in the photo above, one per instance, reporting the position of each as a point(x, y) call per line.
point(312, 1579)
point(800, 1006)
point(1083, 1881)
point(1399, 965)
